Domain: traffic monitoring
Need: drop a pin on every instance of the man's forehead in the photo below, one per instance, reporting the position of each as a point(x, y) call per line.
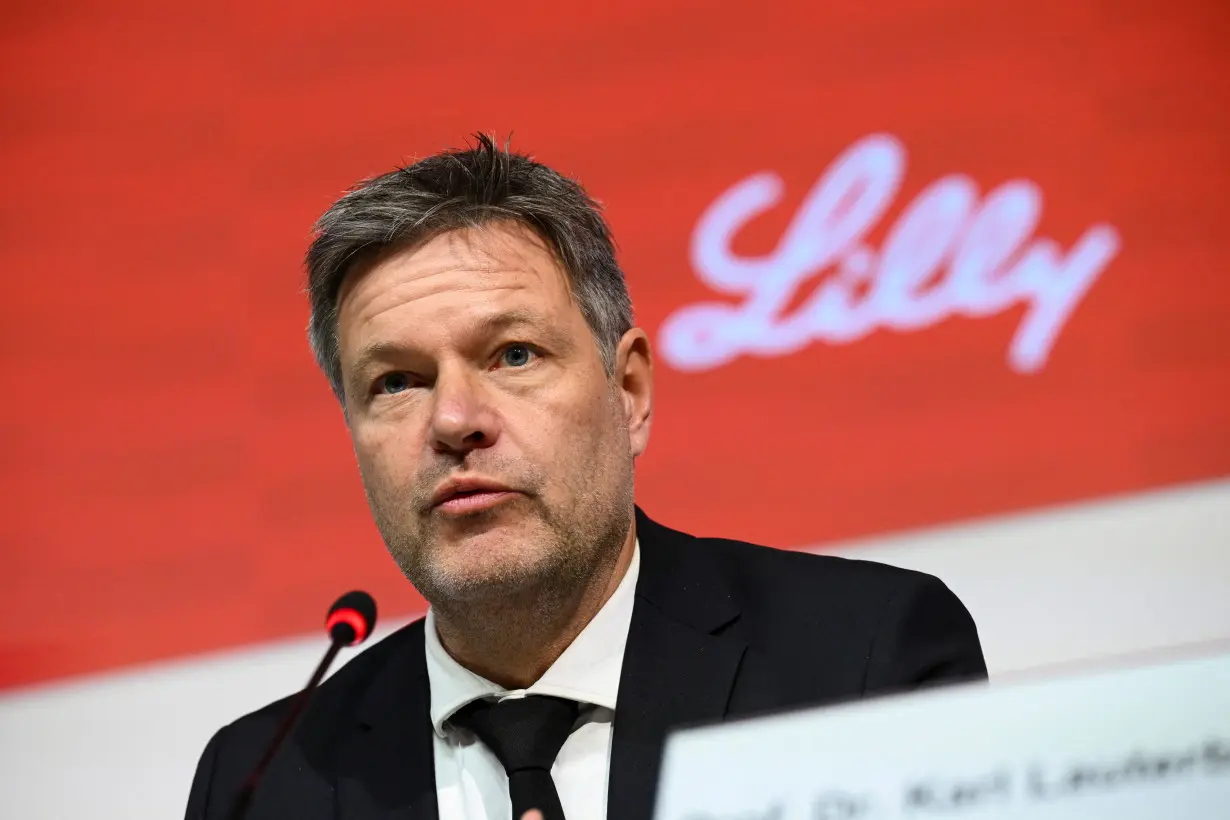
point(488, 257)
point(489, 248)
point(472, 280)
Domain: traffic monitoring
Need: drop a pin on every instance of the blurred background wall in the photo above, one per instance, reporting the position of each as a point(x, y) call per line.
point(1001, 351)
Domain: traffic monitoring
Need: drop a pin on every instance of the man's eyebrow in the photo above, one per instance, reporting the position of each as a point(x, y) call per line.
point(496, 322)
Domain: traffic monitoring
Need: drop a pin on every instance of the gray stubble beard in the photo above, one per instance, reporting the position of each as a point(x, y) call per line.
point(575, 559)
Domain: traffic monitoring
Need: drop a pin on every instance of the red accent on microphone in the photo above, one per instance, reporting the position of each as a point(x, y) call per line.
point(348, 616)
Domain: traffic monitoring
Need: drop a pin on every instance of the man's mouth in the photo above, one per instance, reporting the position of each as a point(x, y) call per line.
point(475, 501)
point(460, 496)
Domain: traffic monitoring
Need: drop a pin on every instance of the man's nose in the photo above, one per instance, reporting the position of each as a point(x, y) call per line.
point(462, 417)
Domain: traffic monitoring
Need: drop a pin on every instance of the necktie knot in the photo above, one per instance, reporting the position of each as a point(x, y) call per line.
point(523, 733)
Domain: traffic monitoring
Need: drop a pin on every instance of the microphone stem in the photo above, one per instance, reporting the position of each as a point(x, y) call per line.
point(239, 808)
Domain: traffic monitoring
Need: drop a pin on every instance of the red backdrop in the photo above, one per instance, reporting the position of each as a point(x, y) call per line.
point(176, 476)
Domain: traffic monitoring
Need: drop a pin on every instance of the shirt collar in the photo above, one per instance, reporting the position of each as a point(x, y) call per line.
point(587, 671)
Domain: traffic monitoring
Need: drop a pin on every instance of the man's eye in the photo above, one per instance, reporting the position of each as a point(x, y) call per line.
point(517, 355)
point(393, 383)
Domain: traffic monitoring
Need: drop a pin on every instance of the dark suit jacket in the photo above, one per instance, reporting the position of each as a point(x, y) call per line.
point(719, 629)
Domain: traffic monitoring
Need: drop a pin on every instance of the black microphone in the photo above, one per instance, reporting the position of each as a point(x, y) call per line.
point(351, 619)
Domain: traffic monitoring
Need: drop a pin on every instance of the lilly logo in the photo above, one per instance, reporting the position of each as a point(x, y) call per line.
point(950, 253)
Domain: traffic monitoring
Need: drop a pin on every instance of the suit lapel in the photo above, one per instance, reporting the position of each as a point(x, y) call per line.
point(388, 769)
point(679, 664)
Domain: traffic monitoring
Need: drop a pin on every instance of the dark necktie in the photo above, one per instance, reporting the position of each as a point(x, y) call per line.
point(525, 734)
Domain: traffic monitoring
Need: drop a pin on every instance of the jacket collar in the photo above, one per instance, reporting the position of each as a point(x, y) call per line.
point(387, 766)
point(679, 666)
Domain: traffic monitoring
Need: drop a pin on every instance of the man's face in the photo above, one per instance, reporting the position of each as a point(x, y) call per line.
point(495, 449)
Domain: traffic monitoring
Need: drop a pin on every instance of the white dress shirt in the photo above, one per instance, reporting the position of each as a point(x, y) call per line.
point(470, 782)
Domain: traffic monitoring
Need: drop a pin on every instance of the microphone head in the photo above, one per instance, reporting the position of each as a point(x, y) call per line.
point(351, 618)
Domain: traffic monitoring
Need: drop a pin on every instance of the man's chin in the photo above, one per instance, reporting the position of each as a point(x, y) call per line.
point(498, 553)
point(488, 581)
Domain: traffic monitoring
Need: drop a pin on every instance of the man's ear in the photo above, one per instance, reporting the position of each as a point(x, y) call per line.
point(633, 377)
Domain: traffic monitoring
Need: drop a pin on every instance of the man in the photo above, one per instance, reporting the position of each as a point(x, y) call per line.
point(472, 320)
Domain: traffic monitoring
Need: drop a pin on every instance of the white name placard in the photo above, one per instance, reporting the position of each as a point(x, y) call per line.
point(1149, 743)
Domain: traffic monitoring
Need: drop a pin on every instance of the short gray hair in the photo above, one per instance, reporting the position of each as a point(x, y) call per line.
point(466, 188)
